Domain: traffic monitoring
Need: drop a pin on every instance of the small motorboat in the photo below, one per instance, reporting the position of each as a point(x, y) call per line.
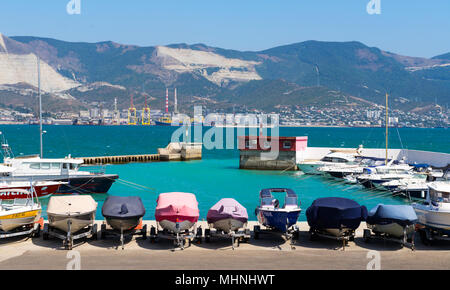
point(274, 217)
point(18, 216)
point(73, 216)
point(392, 222)
point(177, 214)
point(124, 215)
point(335, 217)
point(374, 177)
point(227, 217)
point(434, 212)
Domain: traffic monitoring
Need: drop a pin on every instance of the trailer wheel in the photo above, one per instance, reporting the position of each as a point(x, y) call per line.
point(312, 236)
point(37, 232)
point(94, 232)
point(152, 235)
point(256, 230)
point(144, 234)
point(45, 234)
point(103, 231)
point(207, 235)
point(366, 235)
point(424, 238)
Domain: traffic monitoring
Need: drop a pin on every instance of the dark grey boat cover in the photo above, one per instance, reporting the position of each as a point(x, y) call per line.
point(387, 214)
point(124, 207)
point(227, 208)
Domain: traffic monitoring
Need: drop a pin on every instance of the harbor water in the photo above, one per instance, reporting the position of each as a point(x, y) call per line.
point(217, 175)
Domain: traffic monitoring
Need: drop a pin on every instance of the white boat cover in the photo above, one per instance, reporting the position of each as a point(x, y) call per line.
point(71, 205)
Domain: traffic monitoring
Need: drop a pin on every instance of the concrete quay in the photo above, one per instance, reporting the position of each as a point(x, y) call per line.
point(270, 252)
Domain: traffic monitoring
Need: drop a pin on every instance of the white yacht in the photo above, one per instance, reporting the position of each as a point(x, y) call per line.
point(373, 177)
point(334, 158)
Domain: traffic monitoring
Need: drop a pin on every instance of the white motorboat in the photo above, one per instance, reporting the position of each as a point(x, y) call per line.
point(354, 168)
point(334, 158)
point(412, 188)
point(19, 212)
point(434, 212)
point(71, 213)
point(373, 177)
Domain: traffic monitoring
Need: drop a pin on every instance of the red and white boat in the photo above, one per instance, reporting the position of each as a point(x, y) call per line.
point(44, 189)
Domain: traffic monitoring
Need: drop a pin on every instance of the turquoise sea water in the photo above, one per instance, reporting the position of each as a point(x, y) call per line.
point(217, 175)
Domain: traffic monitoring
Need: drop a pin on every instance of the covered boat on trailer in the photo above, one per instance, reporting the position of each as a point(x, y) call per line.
point(393, 222)
point(124, 215)
point(335, 217)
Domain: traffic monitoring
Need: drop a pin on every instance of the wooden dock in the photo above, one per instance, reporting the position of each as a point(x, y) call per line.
point(120, 159)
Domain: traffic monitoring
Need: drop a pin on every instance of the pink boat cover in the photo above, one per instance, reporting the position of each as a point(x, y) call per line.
point(227, 208)
point(177, 207)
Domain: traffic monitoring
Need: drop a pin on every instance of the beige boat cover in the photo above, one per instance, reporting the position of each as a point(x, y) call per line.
point(72, 204)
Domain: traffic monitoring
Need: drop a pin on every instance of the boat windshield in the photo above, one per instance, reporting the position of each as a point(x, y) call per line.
point(266, 201)
point(439, 196)
point(291, 200)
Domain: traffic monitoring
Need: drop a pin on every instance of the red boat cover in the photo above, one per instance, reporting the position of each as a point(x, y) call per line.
point(177, 207)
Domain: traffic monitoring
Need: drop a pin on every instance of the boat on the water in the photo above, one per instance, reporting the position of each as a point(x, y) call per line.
point(71, 213)
point(123, 212)
point(20, 212)
point(411, 188)
point(334, 158)
point(227, 215)
point(394, 222)
point(274, 216)
point(64, 170)
point(374, 177)
point(335, 217)
point(176, 211)
point(43, 189)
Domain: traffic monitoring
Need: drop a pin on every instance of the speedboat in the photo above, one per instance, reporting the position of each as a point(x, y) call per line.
point(335, 217)
point(353, 168)
point(412, 188)
point(19, 212)
point(434, 212)
point(123, 212)
point(43, 189)
point(227, 215)
point(392, 220)
point(274, 217)
point(71, 213)
point(176, 211)
point(334, 158)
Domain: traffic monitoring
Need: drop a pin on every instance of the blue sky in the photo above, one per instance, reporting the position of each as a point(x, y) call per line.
point(410, 27)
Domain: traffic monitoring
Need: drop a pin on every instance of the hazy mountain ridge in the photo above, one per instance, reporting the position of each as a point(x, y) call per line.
point(308, 71)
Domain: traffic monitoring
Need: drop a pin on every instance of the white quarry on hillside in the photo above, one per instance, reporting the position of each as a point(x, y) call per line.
point(225, 69)
point(22, 68)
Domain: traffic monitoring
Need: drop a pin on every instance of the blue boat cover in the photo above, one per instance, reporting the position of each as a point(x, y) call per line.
point(335, 213)
point(123, 207)
point(387, 214)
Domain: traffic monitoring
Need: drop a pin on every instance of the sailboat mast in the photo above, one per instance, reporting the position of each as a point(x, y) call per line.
point(387, 131)
point(40, 105)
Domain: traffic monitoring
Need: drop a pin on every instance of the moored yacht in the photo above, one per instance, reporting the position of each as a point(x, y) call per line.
point(334, 158)
point(373, 177)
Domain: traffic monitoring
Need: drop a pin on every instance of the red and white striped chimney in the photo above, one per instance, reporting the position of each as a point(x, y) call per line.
point(167, 101)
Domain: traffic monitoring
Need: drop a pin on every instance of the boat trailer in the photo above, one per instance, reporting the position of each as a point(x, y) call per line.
point(69, 237)
point(403, 241)
point(236, 236)
point(106, 232)
point(428, 235)
point(179, 239)
point(291, 234)
point(344, 236)
point(31, 230)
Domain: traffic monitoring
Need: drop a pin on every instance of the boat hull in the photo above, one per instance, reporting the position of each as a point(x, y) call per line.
point(228, 225)
point(176, 227)
point(392, 229)
point(9, 222)
point(87, 184)
point(309, 168)
point(280, 220)
point(433, 218)
point(78, 222)
point(42, 191)
point(123, 224)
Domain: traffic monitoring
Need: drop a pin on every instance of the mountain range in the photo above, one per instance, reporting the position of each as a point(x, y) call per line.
point(74, 74)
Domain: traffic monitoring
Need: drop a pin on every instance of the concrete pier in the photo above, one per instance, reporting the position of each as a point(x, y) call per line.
point(173, 151)
point(268, 252)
